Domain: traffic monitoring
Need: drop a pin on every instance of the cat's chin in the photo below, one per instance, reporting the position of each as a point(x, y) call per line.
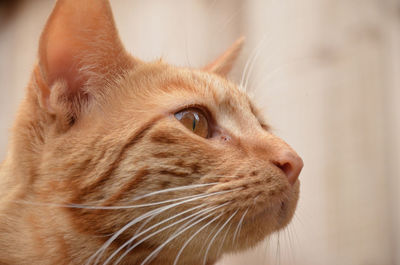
point(268, 220)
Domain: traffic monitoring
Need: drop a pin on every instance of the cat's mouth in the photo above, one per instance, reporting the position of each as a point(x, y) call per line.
point(279, 212)
point(283, 211)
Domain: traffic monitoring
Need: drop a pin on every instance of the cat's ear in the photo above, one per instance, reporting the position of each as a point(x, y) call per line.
point(224, 63)
point(79, 51)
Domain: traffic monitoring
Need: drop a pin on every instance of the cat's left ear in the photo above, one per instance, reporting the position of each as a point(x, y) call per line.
point(224, 63)
point(80, 54)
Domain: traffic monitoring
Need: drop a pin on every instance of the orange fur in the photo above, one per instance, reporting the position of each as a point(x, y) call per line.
point(97, 128)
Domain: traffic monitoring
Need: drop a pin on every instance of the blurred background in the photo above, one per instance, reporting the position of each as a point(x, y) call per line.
point(325, 72)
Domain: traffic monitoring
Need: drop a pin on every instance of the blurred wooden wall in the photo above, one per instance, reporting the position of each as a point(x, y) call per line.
point(327, 73)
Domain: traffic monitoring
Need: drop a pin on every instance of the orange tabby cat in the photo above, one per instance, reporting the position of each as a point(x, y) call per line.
point(118, 161)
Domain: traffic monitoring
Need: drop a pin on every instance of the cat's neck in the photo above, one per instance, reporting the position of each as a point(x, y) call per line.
point(27, 140)
point(18, 170)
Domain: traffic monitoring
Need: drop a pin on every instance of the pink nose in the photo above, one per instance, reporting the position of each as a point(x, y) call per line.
point(291, 164)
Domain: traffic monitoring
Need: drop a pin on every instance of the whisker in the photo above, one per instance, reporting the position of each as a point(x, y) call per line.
point(101, 250)
point(229, 20)
point(239, 225)
point(148, 258)
point(267, 243)
point(234, 175)
point(133, 206)
point(293, 242)
point(208, 237)
point(175, 189)
point(144, 224)
point(115, 207)
point(190, 239)
point(296, 236)
point(193, 216)
point(278, 249)
point(245, 70)
point(288, 237)
point(277, 70)
point(223, 240)
point(137, 234)
point(216, 234)
point(142, 217)
point(256, 55)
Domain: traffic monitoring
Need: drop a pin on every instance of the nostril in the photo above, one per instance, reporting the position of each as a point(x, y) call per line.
point(291, 164)
point(286, 168)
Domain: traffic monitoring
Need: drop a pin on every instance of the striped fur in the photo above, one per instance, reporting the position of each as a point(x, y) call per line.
point(91, 158)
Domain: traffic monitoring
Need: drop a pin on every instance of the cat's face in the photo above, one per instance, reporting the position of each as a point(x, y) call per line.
point(157, 145)
point(135, 145)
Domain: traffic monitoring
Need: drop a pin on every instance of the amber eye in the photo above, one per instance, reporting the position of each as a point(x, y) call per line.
point(194, 120)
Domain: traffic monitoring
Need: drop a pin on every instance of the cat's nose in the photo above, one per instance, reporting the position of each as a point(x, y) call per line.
point(290, 163)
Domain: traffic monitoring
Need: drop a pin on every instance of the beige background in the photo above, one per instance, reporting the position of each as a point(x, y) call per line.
point(327, 73)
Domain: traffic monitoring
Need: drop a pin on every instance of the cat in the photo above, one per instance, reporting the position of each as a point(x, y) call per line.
point(118, 161)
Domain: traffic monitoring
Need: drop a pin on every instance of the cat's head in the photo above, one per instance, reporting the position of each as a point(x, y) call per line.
point(164, 154)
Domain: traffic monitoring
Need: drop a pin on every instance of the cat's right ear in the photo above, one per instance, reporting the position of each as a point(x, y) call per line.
point(224, 63)
point(79, 54)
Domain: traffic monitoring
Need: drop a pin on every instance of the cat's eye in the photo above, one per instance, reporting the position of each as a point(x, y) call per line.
point(194, 120)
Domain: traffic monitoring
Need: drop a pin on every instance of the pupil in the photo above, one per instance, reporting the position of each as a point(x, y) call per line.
point(195, 120)
point(194, 124)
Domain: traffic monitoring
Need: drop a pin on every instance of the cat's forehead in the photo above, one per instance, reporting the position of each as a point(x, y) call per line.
point(224, 94)
point(233, 108)
point(167, 88)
